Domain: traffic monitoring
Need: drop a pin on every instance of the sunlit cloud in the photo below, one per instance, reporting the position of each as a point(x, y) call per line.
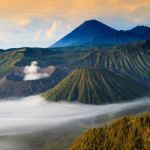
point(53, 29)
point(37, 36)
point(57, 30)
point(23, 22)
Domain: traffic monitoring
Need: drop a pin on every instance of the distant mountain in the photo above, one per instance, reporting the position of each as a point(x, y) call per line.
point(141, 31)
point(117, 38)
point(93, 32)
point(95, 86)
point(124, 133)
point(85, 34)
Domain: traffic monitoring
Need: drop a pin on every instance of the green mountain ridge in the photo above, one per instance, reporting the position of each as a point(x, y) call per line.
point(8, 61)
point(132, 60)
point(127, 133)
point(96, 86)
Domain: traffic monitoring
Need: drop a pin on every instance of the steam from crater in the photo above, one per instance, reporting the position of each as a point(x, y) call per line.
point(33, 72)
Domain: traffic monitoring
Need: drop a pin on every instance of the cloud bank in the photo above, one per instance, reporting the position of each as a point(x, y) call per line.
point(32, 72)
point(34, 113)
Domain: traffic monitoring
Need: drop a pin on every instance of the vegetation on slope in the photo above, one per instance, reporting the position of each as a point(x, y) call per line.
point(46, 57)
point(127, 133)
point(95, 86)
point(19, 88)
point(132, 60)
point(8, 61)
point(13, 58)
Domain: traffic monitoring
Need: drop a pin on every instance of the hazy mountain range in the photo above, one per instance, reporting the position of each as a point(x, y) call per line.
point(93, 32)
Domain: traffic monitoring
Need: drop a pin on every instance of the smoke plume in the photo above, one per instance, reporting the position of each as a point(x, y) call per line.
point(32, 72)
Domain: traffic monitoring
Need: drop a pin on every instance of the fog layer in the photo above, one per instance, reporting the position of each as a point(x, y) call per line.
point(34, 113)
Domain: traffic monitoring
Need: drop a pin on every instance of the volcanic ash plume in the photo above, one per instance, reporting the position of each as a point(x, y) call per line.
point(33, 72)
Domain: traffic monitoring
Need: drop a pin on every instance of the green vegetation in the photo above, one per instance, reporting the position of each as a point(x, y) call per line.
point(13, 58)
point(46, 57)
point(132, 60)
point(95, 86)
point(8, 61)
point(127, 133)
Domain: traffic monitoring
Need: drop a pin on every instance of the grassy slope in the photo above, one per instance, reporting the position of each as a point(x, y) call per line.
point(127, 133)
point(23, 56)
point(95, 86)
point(47, 57)
point(133, 60)
point(11, 88)
point(8, 61)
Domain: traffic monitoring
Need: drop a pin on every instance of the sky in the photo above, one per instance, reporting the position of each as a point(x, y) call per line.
point(40, 23)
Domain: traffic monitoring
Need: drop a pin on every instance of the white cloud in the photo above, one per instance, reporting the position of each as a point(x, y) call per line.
point(23, 22)
point(57, 30)
point(53, 29)
point(37, 36)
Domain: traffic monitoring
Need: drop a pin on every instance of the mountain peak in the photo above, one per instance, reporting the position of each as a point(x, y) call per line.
point(142, 31)
point(141, 27)
point(85, 34)
point(95, 24)
point(94, 86)
point(92, 22)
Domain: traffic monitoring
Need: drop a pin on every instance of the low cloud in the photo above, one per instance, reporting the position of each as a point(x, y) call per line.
point(35, 114)
point(32, 72)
